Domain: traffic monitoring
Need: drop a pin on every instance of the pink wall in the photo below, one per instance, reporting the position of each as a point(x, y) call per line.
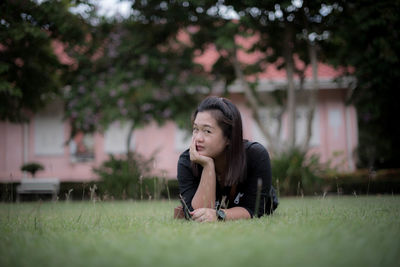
point(60, 166)
point(158, 142)
point(11, 153)
point(338, 132)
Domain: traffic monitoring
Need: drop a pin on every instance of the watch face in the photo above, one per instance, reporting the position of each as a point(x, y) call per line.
point(221, 215)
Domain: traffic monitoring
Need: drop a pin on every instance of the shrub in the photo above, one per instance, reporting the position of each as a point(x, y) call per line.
point(123, 177)
point(296, 173)
point(364, 181)
point(152, 188)
point(32, 168)
point(165, 189)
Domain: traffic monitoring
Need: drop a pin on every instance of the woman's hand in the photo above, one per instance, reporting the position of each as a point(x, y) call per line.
point(204, 215)
point(196, 157)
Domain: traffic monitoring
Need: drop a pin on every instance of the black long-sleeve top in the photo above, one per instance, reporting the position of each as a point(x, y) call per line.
point(242, 195)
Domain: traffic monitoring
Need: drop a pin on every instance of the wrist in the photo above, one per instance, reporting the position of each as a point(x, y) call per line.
point(221, 215)
point(208, 164)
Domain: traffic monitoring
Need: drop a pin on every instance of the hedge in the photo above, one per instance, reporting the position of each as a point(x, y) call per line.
point(360, 182)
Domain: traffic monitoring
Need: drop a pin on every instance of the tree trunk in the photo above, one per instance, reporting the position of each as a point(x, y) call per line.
point(254, 105)
point(128, 141)
point(312, 99)
point(291, 97)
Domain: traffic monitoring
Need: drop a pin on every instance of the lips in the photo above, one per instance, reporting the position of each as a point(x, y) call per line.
point(199, 148)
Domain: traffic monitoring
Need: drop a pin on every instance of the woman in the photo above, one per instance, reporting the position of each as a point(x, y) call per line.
point(222, 176)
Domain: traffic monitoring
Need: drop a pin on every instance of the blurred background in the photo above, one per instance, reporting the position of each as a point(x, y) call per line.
point(101, 92)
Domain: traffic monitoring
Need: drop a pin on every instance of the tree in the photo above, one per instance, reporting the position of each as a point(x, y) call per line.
point(372, 49)
point(287, 29)
point(284, 30)
point(133, 77)
point(30, 72)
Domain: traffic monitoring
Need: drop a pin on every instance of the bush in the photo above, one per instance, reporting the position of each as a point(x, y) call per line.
point(171, 190)
point(32, 168)
point(152, 188)
point(363, 182)
point(78, 190)
point(124, 177)
point(296, 173)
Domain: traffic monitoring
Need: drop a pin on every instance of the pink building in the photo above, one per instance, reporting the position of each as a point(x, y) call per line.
point(43, 138)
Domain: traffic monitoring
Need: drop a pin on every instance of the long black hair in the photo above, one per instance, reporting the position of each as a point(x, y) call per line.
point(229, 120)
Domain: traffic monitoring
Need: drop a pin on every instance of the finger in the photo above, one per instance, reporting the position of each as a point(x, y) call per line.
point(200, 219)
point(192, 149)
point(194, 155)
point(195, 215)
point(205, 219)
point(193, 144)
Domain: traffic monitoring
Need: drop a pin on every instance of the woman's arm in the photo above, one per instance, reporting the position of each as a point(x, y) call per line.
point(210, 215)
point(205, 193)
point(236, 213)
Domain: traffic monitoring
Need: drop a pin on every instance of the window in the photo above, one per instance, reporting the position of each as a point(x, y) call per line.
point(82, 147)
point(115, 138)
point(301, 126)
point(269, 117)
point(49, 131)
point(335, 121)
point(183, 139)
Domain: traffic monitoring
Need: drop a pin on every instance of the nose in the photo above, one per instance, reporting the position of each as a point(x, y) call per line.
point(198, 137)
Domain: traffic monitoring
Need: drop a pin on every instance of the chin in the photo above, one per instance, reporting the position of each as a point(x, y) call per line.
point(203, 153)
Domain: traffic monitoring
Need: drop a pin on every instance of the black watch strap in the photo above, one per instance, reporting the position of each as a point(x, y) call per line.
point(221, 215)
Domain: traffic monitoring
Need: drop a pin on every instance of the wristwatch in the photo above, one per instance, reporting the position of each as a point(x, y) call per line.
point(221, 215)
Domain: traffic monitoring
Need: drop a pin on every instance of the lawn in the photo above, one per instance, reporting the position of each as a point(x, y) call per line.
point(331, 231)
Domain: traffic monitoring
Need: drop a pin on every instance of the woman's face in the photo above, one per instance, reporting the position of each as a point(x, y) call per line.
point(208, 136)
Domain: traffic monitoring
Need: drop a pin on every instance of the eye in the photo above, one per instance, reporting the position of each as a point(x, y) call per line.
point(195, 129)
point(207, 131)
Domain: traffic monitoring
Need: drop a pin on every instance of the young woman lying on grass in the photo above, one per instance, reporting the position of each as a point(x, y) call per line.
point(221, 174)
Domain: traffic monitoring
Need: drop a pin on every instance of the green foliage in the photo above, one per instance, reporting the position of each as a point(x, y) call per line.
point(30, 72)
point(125, 177)
point(32, 168)
point(133, 77)
point(296, 173)
point(282, 29)
point(372, 49)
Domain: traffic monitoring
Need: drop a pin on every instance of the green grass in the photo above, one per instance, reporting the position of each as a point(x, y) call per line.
point(332, 231)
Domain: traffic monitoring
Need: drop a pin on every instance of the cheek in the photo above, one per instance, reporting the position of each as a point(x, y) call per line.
point(219, 145)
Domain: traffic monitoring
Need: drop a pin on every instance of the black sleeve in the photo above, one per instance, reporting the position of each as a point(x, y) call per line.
point(188, 183)
point(258, 167)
